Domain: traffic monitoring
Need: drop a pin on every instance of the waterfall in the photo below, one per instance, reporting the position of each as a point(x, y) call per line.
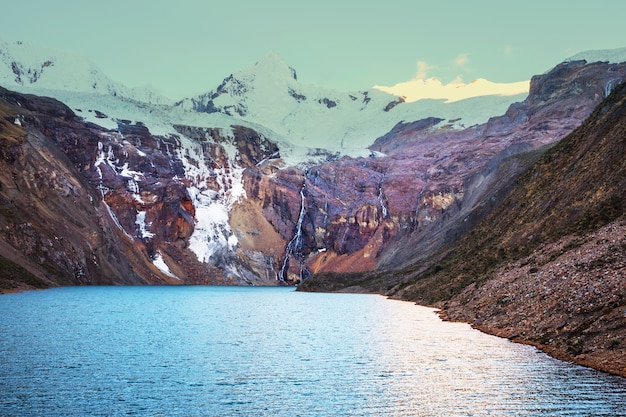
point(108, 159)
point(294, 247)
point(610, 86)
point(382, 201)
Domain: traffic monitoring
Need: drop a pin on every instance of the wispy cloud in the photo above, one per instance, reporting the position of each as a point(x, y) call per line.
point(425, 87)
point(422, 70)
point(508, 51)
point(461, 60)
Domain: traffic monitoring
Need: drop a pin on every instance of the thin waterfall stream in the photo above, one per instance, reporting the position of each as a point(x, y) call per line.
point(382, 199)
point(294, 247)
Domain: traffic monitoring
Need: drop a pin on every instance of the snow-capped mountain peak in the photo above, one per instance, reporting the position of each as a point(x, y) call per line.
point(272, 67)
point(267, 80)
point(269, 93)
point(35, 69)
point(266, 96)
point(612, 56)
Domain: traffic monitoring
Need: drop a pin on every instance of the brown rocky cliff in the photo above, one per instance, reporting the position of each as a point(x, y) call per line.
point(52, 228)
point(83, 205)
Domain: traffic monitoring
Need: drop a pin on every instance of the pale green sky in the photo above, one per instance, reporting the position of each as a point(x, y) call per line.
point(183, 47)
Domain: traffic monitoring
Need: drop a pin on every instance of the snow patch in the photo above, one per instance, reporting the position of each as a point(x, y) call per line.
point(212, 232)
point(612, 56)
point(159, 262)
point(140, 221)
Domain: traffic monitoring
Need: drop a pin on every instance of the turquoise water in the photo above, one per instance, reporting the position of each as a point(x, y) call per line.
point(223, 351)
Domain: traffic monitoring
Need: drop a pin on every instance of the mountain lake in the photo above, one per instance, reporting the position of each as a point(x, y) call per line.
point(271, 351)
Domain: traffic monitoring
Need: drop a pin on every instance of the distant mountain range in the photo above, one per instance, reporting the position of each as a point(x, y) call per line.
point(267, 96)
point(266, 181)
point(32, 68)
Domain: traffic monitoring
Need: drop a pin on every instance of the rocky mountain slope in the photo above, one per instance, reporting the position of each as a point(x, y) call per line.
point(85, 205)
point(52, 231)
point(561, 235)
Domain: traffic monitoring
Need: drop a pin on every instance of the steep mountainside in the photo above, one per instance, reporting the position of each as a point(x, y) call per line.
point(51, 226)
point(548, 265)
point(575, 188)
point(84, 205)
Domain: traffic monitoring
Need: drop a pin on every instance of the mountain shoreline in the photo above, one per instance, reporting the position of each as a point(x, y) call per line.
point(547, 266)
point(587, 321)
point(605, 364)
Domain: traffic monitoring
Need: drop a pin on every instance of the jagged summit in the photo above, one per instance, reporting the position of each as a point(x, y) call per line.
point(269, 93)
point(274, 66)
point(267, 80)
